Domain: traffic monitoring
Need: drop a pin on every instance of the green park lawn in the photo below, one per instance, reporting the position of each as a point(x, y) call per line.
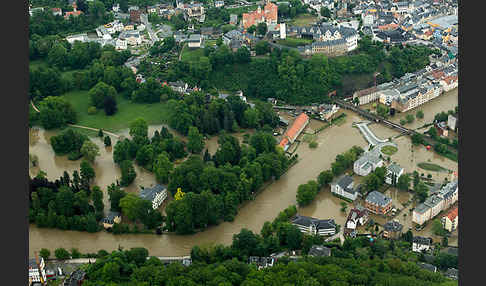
point(431, 167)
point(389, 150)
point(156, 113)
point(294, 42)
point(304, 20)
point(191, 55)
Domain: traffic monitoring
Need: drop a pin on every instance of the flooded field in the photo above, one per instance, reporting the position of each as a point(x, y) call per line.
point(276, 197)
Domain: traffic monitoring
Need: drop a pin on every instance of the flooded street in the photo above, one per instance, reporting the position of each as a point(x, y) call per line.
point(276, 197)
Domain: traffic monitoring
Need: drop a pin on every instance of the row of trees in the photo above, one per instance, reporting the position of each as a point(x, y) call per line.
point(215, 186)
point(307, 192)
point(67, 203)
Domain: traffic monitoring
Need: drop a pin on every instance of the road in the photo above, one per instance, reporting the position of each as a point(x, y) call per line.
point(370, 136)
point(148, 26)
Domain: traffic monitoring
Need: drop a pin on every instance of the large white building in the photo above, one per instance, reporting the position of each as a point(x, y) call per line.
point(37, 271)
point(393, 172)
point(436, 203)
point(156, 195)
point(315, 226)
point(420, 244)
point(343, 187)
point(367, 163)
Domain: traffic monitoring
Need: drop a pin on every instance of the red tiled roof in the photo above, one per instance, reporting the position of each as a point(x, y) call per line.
point(269, 12)
point(453, 214)
point(77, 13)
point(299, 122)
point(450, 79)
point(284, 142)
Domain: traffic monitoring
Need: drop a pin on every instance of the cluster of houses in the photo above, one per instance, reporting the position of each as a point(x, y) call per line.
point(414, 89)
point(439, 200)
point(58, 11)
point(327, 39)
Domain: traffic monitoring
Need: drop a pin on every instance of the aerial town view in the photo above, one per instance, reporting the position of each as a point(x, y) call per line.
point(243, 142)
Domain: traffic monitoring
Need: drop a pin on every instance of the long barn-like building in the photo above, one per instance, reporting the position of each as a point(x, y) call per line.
point(294, 131)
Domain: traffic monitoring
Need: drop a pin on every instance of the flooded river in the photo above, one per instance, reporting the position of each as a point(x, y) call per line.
point(276, 197)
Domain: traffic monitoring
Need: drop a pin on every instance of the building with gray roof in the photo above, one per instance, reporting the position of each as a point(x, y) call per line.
point(319, 250)
point(156, 194)
point(343, 186)
point(367, 163)
point(378, 203)
point(314, 226)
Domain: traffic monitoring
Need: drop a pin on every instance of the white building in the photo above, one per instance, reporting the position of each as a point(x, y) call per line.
point(133, 38)
point(451, 122)
point(343, 187)
point(121, 44)
point(218, 3)
point(436, 203)
point(314, 226)
point(156, 195)
point(451, 220)
point(367, 163)
point(78, 37)
point(37, 271)
point(283, 31)
point(393, 172)
point(116, 8)
point(420, 244)
point(141, 27)
point(194, 41)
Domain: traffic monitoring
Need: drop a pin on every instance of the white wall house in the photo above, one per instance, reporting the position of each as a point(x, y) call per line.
point(366, 164)
point(156, 195)
point(121, 44)
point(393, 172)
point(420, 244)
point(78, 37)
point(194, 41)
point(315, 226)
point(343, 186)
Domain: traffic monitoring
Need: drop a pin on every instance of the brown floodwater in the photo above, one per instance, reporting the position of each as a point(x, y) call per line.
point(266, 206)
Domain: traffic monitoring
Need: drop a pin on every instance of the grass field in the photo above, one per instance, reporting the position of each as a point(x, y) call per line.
point(191, 55)
point(156, 113)
point(294, 42)
point(431, 167)
point(304, 20)
point(389, 150)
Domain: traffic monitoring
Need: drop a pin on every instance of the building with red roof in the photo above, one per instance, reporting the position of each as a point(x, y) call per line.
point(294, 131)
point(451, 220)
point(268, 15)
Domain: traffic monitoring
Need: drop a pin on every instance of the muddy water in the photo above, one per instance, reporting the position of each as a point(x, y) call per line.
point(107, 172)
point(445, 102)
point(276, 197)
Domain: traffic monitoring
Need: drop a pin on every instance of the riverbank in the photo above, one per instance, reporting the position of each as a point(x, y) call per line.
point(266, 206)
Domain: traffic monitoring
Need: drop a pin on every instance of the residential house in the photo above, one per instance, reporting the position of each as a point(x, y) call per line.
point(420, 244)
point(156, 195)
point(366, 96)
point(451, 220)
point(135, 16)
point(343, 187)
point(436, 202)
point(73, 13)
point(294, 131)
point(194, 41)
point(319, 250)
point(367, 163)
point(116, 7)
point(427, 266)
point(132, 37)
point(111, 219)
point(262, 262)
point(392, 229)
point(140, 27)
point(120, 44)
point(233, 19)
point(314, 226)
point(78, 37)
point(268, 15)
point(356, 217)
point(56, 11)
point(326, 111)
point(218, 3)
point(393, 172)
point(153, 9)
point(452, 273)
point(178, 86)
point(32, 11)
point(452, 122)
point(441, 128)
point(378, 203)
point(37, 271)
